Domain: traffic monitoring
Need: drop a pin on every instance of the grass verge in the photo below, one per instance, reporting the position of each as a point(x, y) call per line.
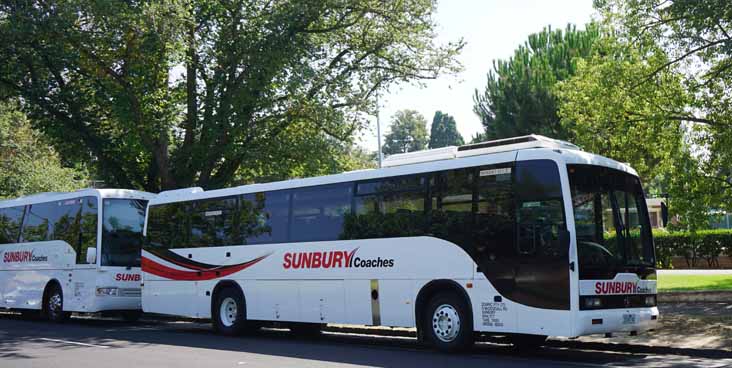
point(694, 282)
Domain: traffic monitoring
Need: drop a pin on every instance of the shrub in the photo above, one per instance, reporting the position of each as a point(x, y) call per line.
point(703, 244)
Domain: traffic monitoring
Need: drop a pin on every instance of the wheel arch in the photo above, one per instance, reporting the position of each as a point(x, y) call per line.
point(225, 284)
point(51, 283)
point(431, 289)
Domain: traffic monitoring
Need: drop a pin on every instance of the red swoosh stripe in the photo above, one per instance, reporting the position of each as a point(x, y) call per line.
point(158, 269)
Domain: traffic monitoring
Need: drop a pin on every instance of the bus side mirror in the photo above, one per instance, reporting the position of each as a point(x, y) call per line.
point(91, 255)
point(664, 214)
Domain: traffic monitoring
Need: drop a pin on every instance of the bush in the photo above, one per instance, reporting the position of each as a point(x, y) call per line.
point(703, 244)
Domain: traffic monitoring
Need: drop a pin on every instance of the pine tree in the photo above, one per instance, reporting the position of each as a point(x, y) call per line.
point(444, 131)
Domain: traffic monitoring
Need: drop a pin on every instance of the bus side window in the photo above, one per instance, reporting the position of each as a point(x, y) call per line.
point(494, 218)
point(35, 224)
point(318, 212)
point(88, 233)
point(10, 220)
point(264, 217)
point(213, 222)
point(540, 211)
point(168, 226)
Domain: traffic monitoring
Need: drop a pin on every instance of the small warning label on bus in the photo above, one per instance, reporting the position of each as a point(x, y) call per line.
point(489, 311)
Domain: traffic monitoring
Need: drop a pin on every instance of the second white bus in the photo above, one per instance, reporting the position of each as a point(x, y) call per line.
point(527, 237)
point(72, 252)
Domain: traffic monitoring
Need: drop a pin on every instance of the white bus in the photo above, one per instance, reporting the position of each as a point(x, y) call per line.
point(72, 252)
point(523, 237)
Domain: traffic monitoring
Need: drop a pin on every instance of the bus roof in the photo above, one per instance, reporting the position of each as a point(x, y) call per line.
point(485, 153)
point(55, 196)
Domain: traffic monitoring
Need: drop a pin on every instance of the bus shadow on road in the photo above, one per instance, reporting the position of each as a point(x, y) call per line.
point(344, 348)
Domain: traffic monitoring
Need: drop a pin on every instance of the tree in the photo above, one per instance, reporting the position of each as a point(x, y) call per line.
point(97, 77)
point(690, 42)
point(27, 163)
point(408, 133)
point(518, 98)
point(444, 131)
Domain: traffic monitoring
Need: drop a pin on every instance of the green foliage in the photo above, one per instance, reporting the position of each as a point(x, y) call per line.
point(444, 131)
point(27, 163)
point(705, 245)
point(609, 114)
point(408, 133)
point(97, 77)
point(655, 91)
point(519, 98)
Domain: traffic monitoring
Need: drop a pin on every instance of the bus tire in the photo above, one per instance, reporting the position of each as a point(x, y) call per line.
point(229, 312)
point(526, 342)
point(53, 304)
point(306, 329)
point(447, 322)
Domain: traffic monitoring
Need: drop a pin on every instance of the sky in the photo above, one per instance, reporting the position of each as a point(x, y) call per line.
point(492, 29)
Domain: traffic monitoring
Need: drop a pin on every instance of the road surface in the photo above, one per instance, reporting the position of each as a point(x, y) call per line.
point(107, 343)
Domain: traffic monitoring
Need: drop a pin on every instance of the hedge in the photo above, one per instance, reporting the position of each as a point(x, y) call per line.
point(707, 245)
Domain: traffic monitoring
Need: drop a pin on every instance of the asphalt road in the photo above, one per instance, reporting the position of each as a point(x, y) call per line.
point(106, 343)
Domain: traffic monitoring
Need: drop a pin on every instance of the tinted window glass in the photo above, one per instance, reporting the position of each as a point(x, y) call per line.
point(58, 220)
point(213, 223)
point(265, 217)
point(495, 216)
point(452, 207)
point(89, 220)
point(318, 212)
point(10, 220)
point(403, 183)
point(122, 232)
point(167, 225)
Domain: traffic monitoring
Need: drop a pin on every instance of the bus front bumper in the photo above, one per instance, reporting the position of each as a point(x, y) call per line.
point(628, 320)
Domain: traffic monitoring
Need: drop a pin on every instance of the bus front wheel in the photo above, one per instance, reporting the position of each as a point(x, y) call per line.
point(53, 305)
point(229, 312)
point(447, 323)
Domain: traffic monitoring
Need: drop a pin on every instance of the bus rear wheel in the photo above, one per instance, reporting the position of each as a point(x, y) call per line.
point(229, 312)
point(53, 305)
point(447, 323)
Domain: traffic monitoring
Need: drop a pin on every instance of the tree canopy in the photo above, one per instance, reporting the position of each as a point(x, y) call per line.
point(654, 93)
point(444, 131)
point(408, 133)
point(168, 94)
point(27, 163)
point(518, 98)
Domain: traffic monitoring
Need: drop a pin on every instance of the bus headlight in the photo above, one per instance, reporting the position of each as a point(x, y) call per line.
point(107, 291)
point(593, 302)
point(650, 300)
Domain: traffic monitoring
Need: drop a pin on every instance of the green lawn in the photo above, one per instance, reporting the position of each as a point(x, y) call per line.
point(694, 282)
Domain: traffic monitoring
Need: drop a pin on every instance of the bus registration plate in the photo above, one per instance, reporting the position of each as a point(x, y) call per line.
point(630, 319)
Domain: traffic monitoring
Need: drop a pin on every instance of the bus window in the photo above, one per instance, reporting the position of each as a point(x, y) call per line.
point(318, 213)
point(213, 223)
point(168, 225)
point(123, 220)
point(58, 220)
point(265, 217)
point(540, 214)
point(89, 221)
point(494, 220)
point(10, 220)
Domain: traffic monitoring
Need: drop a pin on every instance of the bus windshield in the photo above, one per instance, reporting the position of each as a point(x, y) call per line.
point(122, 232)
point(611, 221)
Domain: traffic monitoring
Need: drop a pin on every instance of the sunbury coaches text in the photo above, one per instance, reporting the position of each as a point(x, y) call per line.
point(332, 259)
